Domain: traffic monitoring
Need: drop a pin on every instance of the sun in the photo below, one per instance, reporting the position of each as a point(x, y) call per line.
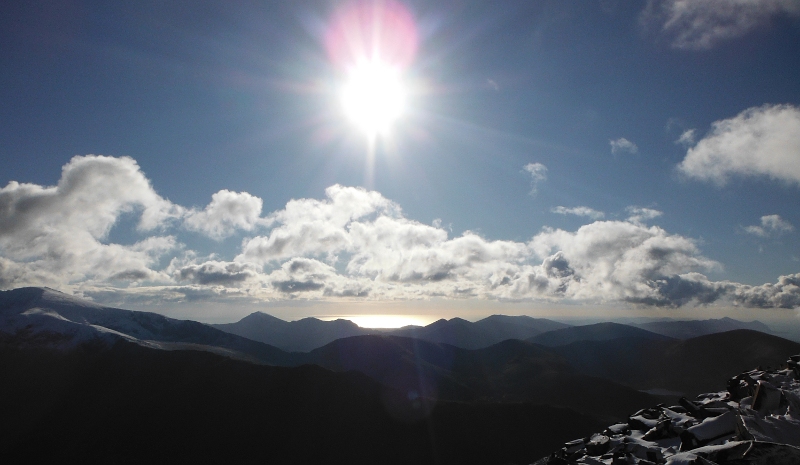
point(374, 97)
point(372, 45)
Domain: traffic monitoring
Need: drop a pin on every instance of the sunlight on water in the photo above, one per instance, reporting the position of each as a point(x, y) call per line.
point(384, 321)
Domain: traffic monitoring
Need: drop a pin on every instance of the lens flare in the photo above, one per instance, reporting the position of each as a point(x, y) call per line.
point(372, 43)
point(372, 31)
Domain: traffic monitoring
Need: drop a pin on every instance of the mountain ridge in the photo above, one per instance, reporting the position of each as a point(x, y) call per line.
point(593, 332)
point(46, 317)
point(686, 329)
point(293, 336)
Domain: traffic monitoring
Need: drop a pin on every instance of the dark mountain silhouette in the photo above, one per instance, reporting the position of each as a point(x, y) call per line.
point(595, 332)
point(511, 371)
point(78, 370)
point(45, 317)
point(293, 336)
point(456, 331)
point(482, 333)
point(131, 404)
point(311, 333)
point(693, 328)
point(690, 366)
point(503, 327)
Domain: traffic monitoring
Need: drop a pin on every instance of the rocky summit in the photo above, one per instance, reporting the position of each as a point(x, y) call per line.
point(756, 421)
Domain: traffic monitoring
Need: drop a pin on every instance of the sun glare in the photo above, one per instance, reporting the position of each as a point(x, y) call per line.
point(373, 97)
point(372, 43)
point(384, 321)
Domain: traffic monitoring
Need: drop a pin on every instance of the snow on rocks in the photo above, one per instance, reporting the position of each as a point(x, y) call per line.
point(756, 421)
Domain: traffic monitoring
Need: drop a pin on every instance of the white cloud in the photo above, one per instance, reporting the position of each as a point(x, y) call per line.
point(315, 227)
point(381, 245)
point(54, 235)
point(401, 250)
point(227, 212)
point(538, 174)
point(687, 138)
point(619, 260)
point(702, 24)
point(353, 244)
point(783, 294)
point(760, 141)
point(770, 225)
point(640, 215)
point(776, 223)
point(579, 211)
point(623, 145)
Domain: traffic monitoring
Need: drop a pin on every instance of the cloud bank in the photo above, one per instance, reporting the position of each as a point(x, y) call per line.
point(352, 244)
point(702, 24)
point(760, 141)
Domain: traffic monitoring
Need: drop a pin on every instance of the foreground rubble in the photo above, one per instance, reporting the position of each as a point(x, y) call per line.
point(756, 421)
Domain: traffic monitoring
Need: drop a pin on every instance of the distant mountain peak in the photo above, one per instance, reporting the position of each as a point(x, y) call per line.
point(262, 317)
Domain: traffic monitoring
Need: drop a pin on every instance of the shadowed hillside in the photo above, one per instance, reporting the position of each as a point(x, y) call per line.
point(690, 366)
point(130, 404)
point(511, 371)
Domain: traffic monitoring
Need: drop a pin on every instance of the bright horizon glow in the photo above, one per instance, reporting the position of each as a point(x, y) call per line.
point(385, 321)
point(374, 97)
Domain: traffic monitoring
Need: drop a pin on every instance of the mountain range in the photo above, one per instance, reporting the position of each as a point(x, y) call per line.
point(482, 333)
point(301, 335)
point(311, 333)
point(693, 328)
point(79, 370)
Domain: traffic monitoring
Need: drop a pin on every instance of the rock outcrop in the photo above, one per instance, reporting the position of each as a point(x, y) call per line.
point(756, 421)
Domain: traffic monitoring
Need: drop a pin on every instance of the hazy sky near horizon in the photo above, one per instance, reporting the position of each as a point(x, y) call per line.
point(545, 155)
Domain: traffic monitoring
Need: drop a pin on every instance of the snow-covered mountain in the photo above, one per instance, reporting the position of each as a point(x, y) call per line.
point(44, 317)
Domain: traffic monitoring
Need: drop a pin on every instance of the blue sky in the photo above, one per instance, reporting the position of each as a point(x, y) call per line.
point(642, 156)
